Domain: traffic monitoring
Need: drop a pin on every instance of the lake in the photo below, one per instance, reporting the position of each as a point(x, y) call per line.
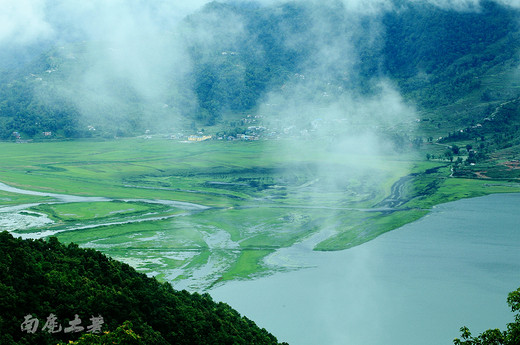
point(415, 285)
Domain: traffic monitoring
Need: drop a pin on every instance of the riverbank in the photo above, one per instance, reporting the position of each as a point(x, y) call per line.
point(416, 285)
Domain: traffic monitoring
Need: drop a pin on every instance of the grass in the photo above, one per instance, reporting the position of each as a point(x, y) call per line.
point(249, 263)
point(452, 189)
point(171, 234)
point(261, 196)
point(370, 228)
point(7, 199)
point(81, 211)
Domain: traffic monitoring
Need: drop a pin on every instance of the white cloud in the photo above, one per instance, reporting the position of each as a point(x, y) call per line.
point(457, 4)
point(512, 3)
point(23, 21)
point(367, 6)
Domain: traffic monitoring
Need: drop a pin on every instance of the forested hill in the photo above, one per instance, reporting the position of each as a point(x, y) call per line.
point(42, 279)
point(454, 64)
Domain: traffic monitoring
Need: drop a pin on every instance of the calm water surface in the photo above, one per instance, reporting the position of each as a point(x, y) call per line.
point(413, 286)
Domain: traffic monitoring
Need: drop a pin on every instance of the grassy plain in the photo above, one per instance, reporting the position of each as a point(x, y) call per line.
point(7, 198)
point(80, 211)
point(260, 196)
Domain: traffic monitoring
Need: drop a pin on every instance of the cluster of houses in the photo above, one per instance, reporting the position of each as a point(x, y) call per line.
point(18, 136)
point(248, 128)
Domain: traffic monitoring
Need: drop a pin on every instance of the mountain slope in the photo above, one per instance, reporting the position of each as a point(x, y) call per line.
point(453, 65)
point(40, 278)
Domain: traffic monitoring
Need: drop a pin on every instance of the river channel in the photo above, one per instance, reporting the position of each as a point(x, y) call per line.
point(415, 285)
point(12, 219)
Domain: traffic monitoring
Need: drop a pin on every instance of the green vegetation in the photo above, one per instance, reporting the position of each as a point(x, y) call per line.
point(198, 214)
point(258, 199)
point(233, 73)
point(474, 45)
point(7, 198)
point(122, 335)
point(248, 264)
point(368, 228)
point(72, 212)
point(511, 336)
point(46, 277)
point(240, 201)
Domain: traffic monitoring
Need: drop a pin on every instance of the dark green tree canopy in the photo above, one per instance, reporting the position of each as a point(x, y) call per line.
point(40, 278)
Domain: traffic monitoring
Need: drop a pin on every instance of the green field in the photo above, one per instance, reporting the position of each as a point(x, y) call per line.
point(257, 197)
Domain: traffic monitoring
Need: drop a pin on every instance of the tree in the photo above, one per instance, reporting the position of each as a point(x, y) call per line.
point(449, 155)
point(417, 142)
point(511, 336)
point(455, 149)
point(123, 335)
point(43, 279)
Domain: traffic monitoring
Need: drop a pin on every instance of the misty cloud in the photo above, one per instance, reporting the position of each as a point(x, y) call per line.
point(212, 32)
point(110, 57)
point(329, 83)
point(23, 22)
point(26, 21)
point(134, 52)
point(511, 3)
point(466, 5)
point(368, 6)
point(339, 113)
point(458, 5)
point(129, 64)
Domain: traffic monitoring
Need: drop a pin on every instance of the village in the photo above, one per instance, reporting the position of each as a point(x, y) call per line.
point(246, 128)
point(269, 127)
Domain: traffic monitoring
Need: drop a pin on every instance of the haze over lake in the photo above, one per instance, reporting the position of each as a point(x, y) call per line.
point(415, 285)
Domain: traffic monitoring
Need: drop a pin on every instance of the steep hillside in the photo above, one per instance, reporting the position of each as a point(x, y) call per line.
point(455, 66)
point(42, 278)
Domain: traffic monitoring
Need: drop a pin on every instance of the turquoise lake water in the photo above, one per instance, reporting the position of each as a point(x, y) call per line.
point(413, 286)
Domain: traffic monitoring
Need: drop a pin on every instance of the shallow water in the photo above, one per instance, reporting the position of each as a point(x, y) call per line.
point(75, 198)
point(60, 197)
point(11, 219)
point(415, 285)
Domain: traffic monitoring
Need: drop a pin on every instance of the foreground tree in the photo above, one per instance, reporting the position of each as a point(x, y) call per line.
point(123, 335)
point(47, 289)
point(511, 336)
